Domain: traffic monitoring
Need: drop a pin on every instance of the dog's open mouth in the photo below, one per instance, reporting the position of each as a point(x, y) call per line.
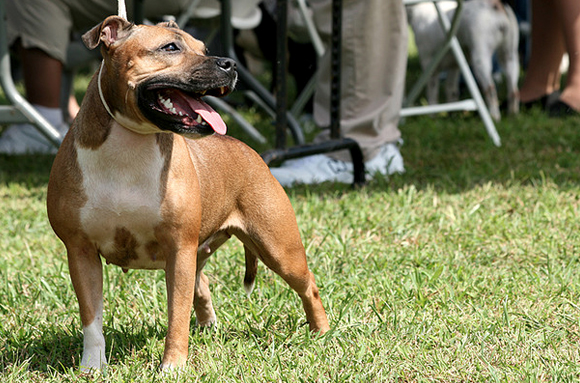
point(183, 112)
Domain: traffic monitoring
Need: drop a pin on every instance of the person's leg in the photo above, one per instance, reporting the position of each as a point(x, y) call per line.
point(31, 27)
point(373, 67)
point(569, 13)
point(42, 77)
point(543, 73)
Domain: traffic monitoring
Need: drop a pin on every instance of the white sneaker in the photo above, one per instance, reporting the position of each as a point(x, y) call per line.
point(313, 170)
point(388, 161)
point(321, 168)
point(26, 139)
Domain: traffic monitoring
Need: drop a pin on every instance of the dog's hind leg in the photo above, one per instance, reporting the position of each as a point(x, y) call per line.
point(273, 237)
point(482, 69)
point(204, 312)
point(288, 260)
point(511, 67)
point(508, 59)
point(433, 89)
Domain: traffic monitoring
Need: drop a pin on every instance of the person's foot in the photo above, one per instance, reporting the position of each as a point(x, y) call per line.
point(560, 108)
point(541, 103)
point(321, 168)
point(388, 161)
point(26, 139)
point(567, 104)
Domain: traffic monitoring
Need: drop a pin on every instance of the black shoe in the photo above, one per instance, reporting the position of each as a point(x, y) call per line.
point(543, 102)
point(537, 103)
point(560, 109)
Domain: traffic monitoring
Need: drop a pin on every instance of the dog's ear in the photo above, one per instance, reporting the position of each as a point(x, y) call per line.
point(169, 24)
point(114, 28)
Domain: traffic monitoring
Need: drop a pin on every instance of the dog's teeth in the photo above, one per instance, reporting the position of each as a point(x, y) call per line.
point(222, 90)
point(203, 92)
point(199, 120)
point(165, 102)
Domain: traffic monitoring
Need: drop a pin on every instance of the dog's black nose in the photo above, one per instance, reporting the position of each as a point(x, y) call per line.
point(226, 64)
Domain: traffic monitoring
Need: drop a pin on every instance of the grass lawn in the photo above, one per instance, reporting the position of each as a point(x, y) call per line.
point(465, 268)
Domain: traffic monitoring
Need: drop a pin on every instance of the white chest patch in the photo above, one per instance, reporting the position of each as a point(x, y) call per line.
point(122, 182)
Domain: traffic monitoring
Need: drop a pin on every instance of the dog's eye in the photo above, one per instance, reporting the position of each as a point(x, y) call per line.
point(171, 47)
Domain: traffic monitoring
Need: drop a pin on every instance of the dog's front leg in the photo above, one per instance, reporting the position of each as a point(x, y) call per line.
point(86, 271)
point(180, 279)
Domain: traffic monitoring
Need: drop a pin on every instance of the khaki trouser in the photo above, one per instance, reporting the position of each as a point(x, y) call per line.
point(47, 24)
point(373, 67)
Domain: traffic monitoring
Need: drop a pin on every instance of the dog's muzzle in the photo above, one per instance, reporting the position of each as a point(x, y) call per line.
point(177, 106)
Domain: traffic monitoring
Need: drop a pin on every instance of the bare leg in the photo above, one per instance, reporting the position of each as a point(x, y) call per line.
point(42, 77)
point(42, 82)
point(73, 106)
point(543, 73)
point(569, 13)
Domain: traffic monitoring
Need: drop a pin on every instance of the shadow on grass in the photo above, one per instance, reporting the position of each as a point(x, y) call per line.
point(453, 154)
point(447, 153)
point(60, 350)
point(30, 170)
point(50, 351)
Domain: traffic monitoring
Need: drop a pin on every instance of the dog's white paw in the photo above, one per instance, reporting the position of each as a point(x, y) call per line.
point(94, 358)
point(92, 362)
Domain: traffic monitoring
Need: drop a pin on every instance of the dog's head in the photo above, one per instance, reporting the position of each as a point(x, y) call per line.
point(154, 77)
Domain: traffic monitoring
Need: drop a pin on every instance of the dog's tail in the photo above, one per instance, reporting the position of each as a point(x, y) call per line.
point(251, 270)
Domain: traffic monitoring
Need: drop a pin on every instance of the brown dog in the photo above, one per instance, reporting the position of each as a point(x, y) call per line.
point(126, 184)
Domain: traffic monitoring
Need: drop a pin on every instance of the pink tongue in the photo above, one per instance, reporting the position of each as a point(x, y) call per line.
point(209, 115)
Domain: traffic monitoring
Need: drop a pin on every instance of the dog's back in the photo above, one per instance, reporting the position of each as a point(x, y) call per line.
point(486, 27)
point(488, 22)
point(489, 25)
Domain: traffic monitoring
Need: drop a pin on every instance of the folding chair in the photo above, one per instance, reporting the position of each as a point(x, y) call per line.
point(336, 143)
point(451, 42)
point(19, 111)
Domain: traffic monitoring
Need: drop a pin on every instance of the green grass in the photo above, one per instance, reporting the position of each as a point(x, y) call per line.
point(465, 268)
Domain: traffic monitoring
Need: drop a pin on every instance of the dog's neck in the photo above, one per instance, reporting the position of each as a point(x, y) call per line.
point(120, 119)
point(101, 95)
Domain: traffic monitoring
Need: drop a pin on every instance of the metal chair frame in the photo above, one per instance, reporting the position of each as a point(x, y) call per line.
point(476, 102)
